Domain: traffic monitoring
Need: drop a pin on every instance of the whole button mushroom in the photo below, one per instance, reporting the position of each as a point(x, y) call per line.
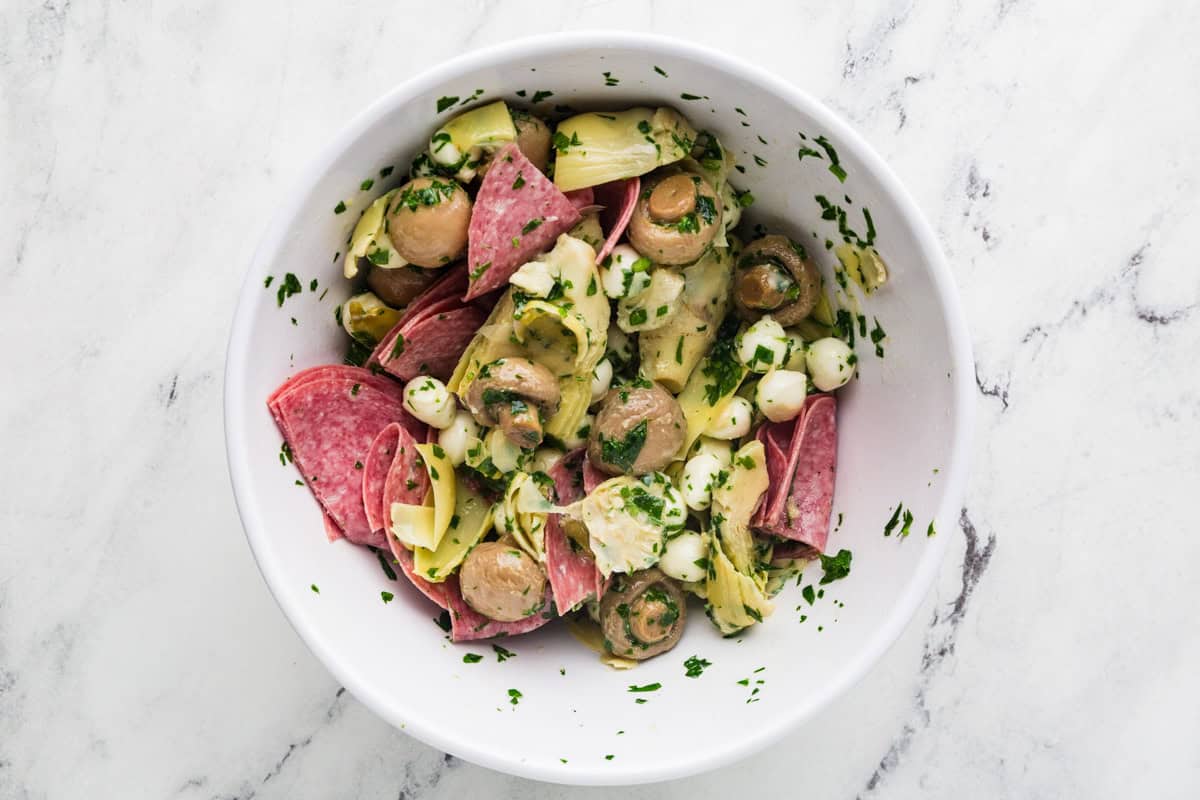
point(399, 285)
point(675, 218)
point(638, 430)
point(774, 276)
point(501, 581)
point(516, 394)
point(643, 615)
point(428, 221)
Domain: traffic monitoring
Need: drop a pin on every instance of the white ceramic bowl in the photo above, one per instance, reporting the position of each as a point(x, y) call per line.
point(904, 429)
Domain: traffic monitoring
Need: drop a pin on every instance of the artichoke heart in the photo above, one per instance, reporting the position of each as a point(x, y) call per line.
point(370, 240)
point(487, 126)
point(527, 508)
point(472, 519)
point(733, 503)
point(367, 318)
point(555, 336)
point(735, 600)
point(863, 265)
point(596, 148)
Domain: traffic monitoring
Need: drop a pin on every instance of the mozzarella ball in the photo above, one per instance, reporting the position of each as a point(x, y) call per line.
point(780, 394)
point(534, 278)
point(717, 448)
point(457, 436)
point(602, 377)
point(505, 455)
point(544, 458)
point(696, 480)
point(733, 420)
point(428, 400)
point(580, 437)
point(680, 556)
point(830, 363)
point(763, 345)
point(625, 273)
point(442, 150)
point(797, 352)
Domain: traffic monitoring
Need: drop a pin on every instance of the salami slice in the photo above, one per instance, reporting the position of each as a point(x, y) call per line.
point(404, 559)
point(801, 512)
point(406, 481)
point(327, 371)
point(571, 570)
point(619, 199)
point(582, 198)
point(518, 214)
point(332, 531)
point(375, 471)
point(451, 284)
point(467, 624)
point(432, 344)
point(592, 477)
point(329, 425)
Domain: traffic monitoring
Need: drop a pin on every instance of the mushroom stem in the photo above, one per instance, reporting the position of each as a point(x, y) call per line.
point(520, 424)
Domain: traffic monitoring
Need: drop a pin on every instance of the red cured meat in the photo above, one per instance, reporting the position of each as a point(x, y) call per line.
point(803, 501)
point(582, 198)
point(592, 477)
point(572, 571)
point(504, 216)
point(450, 284)
point(406, 481)
point(467, 624)
point(404, 559)
point(375, 471)
point(327, 371)
point(432, 343)
point(332, 531)
point(792, 550)
point(329, 424)
point(619, 199)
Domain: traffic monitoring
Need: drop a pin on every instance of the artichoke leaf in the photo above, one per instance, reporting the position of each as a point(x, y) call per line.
point(596, 148)
point(471, 521)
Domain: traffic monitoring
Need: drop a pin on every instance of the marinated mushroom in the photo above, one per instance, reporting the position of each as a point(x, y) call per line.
point(643, 615)
point(675, 219)
point(397, 287)
point(428, 221)
point(775, 276)
point(500, 581)
point(518, 395)
point(638, 430)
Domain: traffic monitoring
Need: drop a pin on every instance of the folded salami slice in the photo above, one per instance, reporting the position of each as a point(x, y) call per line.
point(375, 471)
point(800, 497)
point(619, 199)
point(571, 569)
point(403, 558)
point(518, 214)
point(432, 343)
point(406, 481)
point(592, 477)
point(451, 283)
point(327, 371)
point(332, 531)
point(329, 424)
point(582, 198)
point(467, 624)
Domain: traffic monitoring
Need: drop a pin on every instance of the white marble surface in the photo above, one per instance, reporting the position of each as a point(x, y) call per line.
point(1053, 146)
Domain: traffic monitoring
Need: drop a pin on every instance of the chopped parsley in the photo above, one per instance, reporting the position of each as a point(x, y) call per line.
point(660, 71)
point(387, 597)
point(533, 224)
point(836, 567)
point(931, 531)
point(519, 182)
point(340, 208)
point(502, 654)
point(541, 95)
point(366, 185)
point(267, 281)
point(649, 687)
point(695, 666)
point(688, 96)
point(472, 658)
point(834, 166)
point(443, 621)
point(562, 143)
point(908, 521)
point(387, 568)
point(609, 80)
point(288, 287)
point(895, 519)
point(809, 594)
point(514, 696)
point(722, 365)
point(446, 102)
point(315, 589)
point(623, 452)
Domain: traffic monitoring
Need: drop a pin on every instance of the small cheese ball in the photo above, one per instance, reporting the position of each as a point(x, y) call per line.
point(428, 400)
point(680, 556)
point(625, 273)
point(602, 377)
point(780, 394)
point(797, 352)
point(718, 448)
point(733, 420)
point(763, 345)
point(696, 481)
point(831, 363)
point(456, 437)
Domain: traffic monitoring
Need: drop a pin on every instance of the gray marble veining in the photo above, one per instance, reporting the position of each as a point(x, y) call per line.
point(1051, 144)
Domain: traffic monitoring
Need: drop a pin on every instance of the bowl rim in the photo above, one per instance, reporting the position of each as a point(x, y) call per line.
point(954, 471)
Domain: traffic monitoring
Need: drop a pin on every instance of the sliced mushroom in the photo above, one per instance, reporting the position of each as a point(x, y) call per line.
point(397, 287)
point(643, 615)
point(428, 221)
point(518, 395)
point(675, 219)
point(500, 581)
point(638, 430)
point(775, 276)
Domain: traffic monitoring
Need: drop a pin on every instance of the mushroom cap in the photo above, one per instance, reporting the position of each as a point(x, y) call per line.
point(758, 265)
point(625, 409)
point(683, 239)
point(516, 394)
point(643, 615)
point(428, 221)
point(501, 581)
point(399, 285)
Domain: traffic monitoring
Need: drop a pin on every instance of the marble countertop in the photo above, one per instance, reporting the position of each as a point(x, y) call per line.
point(1052, 146)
